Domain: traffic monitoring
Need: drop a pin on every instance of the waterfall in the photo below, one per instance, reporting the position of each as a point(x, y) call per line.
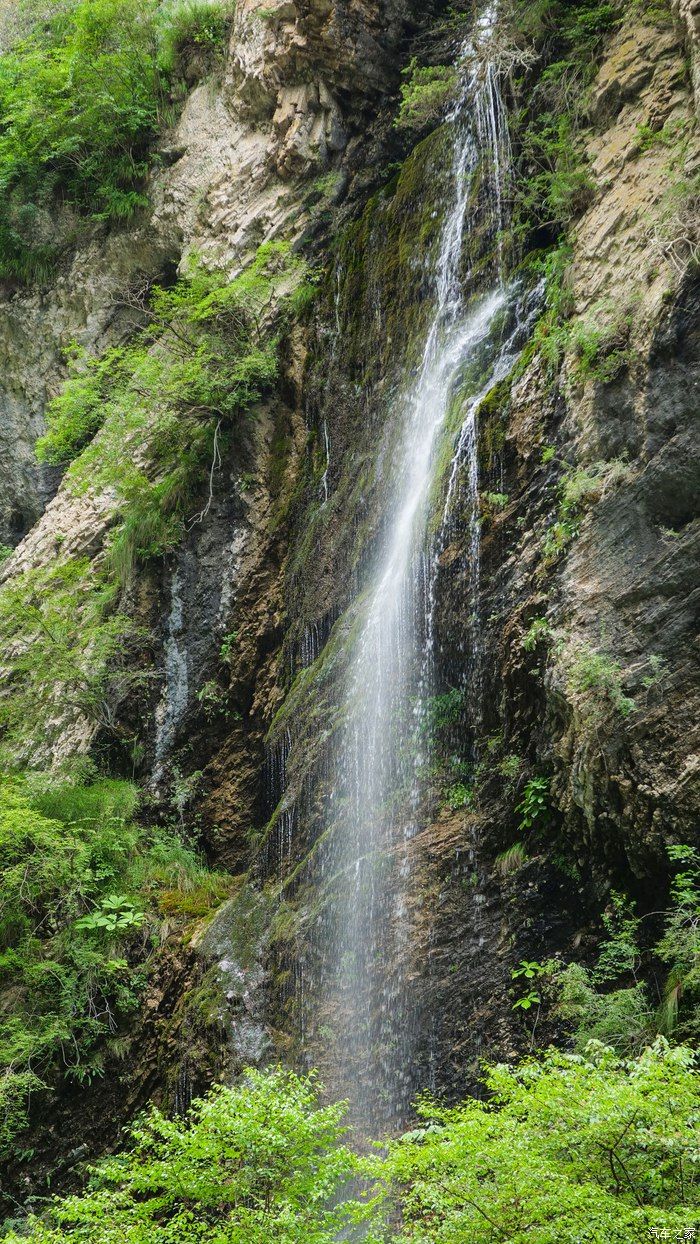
point(173, 701)
point(378, 778)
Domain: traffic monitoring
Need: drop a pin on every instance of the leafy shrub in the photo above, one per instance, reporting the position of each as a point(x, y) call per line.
point(538, 632)
point(459, 796)
point(192, 28)
point(544, 1156)
point(60, 635)
point(81, 97)
point(509, 767)
point(200, 362)
point(260, 1162)
point(424, 93)
point(534, 805)
point(79, 888)
point(601, 344)
point(679, 948)
point(626, 1017)
point(622, 1019)
point(595, 678)
point(445, 711)
point(565, 1147)
point(555, 183)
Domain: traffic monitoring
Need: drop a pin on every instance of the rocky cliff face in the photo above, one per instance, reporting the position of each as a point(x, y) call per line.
point(588, 550)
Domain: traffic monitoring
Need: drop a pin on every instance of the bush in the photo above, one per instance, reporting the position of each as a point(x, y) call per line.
point(193, 30)
point(626, 1016)
point(555, 183)
point(596, 680)
point(563, 1148)
point(81, 97)
point(566, 1149)
point(79, 889)
point(65, 653)
point(424, 93)
point(258, 1163)
point(534, 805)
point(200, 362)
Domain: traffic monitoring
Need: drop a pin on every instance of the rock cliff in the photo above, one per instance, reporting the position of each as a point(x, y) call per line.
point(588, 485)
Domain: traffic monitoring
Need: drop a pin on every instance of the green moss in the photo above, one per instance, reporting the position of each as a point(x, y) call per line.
point(492, 423)
point(383, 258)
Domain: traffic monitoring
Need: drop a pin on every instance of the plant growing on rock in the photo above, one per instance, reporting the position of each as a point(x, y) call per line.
point(510, 860)
point(191, 30)
point(625, 1016)
point(80, 884)
point(538, 632)
point(534, 805)
point(596, 681)
point(424, 93)
point(82, 97)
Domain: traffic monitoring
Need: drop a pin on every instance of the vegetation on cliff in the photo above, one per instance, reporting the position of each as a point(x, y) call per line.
point(83, 892)
point(83, 93)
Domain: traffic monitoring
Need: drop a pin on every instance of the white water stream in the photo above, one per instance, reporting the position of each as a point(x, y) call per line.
point(381, 757)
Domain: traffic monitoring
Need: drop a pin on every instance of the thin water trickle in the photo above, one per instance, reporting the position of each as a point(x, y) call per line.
point(173, 701)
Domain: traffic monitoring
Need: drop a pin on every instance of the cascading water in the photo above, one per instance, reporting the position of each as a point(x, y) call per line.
point(381, 758)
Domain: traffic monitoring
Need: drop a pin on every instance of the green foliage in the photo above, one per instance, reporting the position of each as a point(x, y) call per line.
point(115, 914)
point(538, 632)
point(528, 970)
point(228, 647)
point(81, 97)
point(83, 93)
point(596, 680)
point(78, 411)
point(492, 503)
point(561, 1149)
point(192, 28)
point(510, 860)
point(164, 403)
point(551, 333)
point(658, 671)
point(679, 948)
point(534, 805)
point(459, 796)
point(555, 184)
point(626, 1017)
point(444, 712)
point(560, 186)
point(79, 890)
point(509, 767)
point(256, 1164)
point(579, 488)
point(621, 1018)
point(65, 652)
point(601, 343)
point(619, 951)
point(424, 93)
